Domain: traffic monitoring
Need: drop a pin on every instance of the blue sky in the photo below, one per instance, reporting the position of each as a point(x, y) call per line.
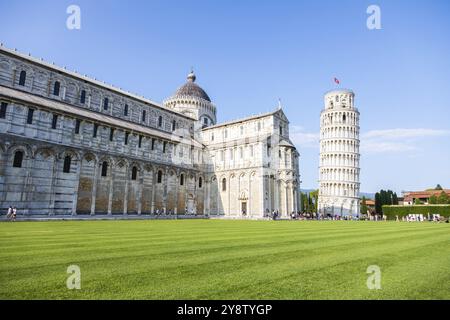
point(247, 54)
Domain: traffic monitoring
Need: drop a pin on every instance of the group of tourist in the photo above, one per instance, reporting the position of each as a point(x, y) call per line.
point(275, 214)
point(376, 217)
point(159, 212)
point(12, 213)
point(318, 216)
point(271, 215)
point(422, 218)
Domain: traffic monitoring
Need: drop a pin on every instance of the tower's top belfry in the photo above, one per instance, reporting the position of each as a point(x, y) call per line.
point(339, 99)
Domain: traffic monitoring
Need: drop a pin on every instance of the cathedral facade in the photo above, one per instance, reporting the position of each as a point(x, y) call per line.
point(71, 145)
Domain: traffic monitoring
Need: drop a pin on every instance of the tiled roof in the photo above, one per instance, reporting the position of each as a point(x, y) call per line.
point(191, 89)
point(96, 82)
point(93, 116)
point(424, 194)
point(262, 115)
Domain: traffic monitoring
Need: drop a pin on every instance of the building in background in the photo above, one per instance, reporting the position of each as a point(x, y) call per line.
point(339, 155)
point(410, 197)
point(71, 145)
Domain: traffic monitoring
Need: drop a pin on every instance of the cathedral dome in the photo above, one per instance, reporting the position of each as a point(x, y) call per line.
point(191, 89)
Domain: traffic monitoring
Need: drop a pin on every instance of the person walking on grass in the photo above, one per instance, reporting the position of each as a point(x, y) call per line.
point(14, 213)
point(8, 215)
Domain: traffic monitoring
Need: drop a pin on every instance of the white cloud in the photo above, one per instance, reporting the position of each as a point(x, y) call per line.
point(374, 141)
point(385, 146)
point(397, 140)
point(304, 139)
point(404, 133)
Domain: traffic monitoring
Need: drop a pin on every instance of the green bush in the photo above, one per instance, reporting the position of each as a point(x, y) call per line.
point(401, 211)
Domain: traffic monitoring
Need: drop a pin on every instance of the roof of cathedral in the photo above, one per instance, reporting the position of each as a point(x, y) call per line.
point(32, 99)
point(93, 81)
point(253, 117)
point(286, 143)
point(191, 89)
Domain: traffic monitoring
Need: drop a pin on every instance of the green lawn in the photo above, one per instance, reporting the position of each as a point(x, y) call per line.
point(215, 259)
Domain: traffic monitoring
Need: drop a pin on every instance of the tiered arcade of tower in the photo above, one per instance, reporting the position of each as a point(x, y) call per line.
point(339, 155)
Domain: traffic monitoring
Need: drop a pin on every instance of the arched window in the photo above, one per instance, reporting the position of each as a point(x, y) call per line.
point(67, 162)
point(343, 118)
point(77, 126)
point(174, 124)
point(56, 88)
point(125, 110)
point(160, 121)
point(94, 133)
point(224, 184)
point(30, 116)
point(104, 169)
point(18, 158)
point(54, 121)
point(181, 179)
point(134, 173)
point(144, 115)
point(200, 182)
point(3, 108)
point(22, 78)
point(105, 104)
point(83, 96)
point(159, 176)
point(153, 143)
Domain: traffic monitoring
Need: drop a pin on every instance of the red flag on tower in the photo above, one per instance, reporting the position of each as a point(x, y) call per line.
point(336, 80)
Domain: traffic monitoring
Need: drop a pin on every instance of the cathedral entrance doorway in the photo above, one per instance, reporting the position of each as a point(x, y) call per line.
point(243, 198)
point(190, 204)
point(244, 208)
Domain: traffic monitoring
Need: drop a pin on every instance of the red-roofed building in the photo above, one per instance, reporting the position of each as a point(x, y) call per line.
point(424, 196)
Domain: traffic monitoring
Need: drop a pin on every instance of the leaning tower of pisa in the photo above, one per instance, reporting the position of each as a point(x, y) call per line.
point(339, 155)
